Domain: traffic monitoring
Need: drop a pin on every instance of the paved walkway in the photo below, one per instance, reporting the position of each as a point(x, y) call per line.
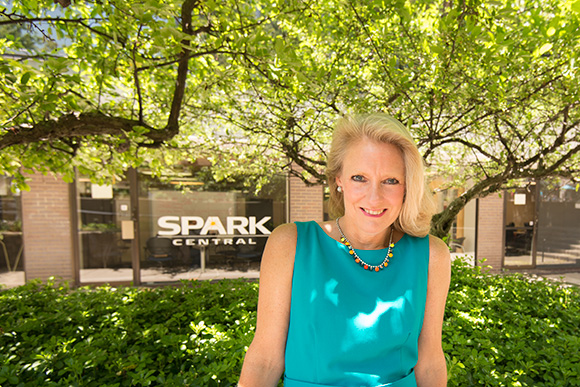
point(569, 278)
point(148, 276)
point(153, 276)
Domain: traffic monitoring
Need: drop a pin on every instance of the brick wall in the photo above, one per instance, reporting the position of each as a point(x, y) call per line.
point(46, 227)
point(305, 202)
point(490, 235)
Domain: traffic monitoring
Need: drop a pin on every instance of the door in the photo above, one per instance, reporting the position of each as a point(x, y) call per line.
point(520, 226)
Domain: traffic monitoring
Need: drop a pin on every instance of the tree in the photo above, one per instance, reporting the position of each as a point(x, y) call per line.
point(114, 89)
point(489, 89)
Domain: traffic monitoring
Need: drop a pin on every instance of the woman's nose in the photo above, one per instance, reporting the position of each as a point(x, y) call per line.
point(375, 194)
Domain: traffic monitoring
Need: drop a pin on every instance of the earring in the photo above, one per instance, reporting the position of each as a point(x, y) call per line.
point(339, 188)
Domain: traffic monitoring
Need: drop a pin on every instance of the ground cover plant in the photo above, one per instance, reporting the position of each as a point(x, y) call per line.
point(500, 330)
point(511, 330)
point(191, 335)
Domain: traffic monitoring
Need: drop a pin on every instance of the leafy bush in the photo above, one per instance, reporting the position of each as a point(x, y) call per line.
point(499, 331)
point(192, 335)
point(511, 330)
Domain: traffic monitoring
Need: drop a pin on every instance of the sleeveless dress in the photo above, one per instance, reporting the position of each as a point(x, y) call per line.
point(350, 326)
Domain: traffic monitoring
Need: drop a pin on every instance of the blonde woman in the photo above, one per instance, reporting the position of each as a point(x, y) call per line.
point(359, 300)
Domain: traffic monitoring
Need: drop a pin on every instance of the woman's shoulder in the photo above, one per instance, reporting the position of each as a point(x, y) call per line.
point(438, 251)
point(286, 233)
point(437, 245)
point(280, 247)
point(311, 225)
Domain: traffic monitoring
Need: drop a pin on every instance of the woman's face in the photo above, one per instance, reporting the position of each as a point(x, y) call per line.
point(373, 183)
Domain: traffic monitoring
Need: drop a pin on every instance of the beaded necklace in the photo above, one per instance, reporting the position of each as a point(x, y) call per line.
point(344, 240)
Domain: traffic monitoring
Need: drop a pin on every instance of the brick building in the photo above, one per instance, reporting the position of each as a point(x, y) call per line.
point(143, 231)
point(138, 231)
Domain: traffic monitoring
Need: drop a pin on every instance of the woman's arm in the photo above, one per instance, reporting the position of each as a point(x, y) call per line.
point(264, 361)
point(431, 370)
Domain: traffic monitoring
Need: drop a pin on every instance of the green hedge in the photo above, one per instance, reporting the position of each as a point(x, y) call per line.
point(499, 331)
point(511, 330)
point(195, 334)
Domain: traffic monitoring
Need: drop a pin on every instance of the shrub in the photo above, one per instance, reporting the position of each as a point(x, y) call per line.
point(510, 330)
point(507, 330)
point(192, 335)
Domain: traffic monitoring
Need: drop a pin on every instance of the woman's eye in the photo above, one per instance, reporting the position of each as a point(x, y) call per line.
point(392, 181)
point(358, 178)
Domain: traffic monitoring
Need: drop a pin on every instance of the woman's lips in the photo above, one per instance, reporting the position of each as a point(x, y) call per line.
point(376, 213)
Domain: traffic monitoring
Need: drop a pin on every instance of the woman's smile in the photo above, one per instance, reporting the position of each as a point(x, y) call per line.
point(376, 213)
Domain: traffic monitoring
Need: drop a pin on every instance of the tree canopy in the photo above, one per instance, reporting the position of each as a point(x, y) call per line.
point(489, 88)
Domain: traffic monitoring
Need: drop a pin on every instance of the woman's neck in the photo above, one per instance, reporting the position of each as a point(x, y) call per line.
point(361, 240)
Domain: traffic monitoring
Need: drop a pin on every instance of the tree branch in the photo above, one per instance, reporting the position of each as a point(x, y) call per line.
point(136, 78)
point(382, 60)
point(70, 126)
point(82, 21)
point(469, 145)
point(559, 141)
point(172, 127)
point(191, 55)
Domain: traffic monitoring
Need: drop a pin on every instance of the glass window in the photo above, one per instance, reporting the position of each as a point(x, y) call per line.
point(520, 217)
point(11, 243)
point(462, 236)
point(104, 255)
point(559, 224)
point(191, 229)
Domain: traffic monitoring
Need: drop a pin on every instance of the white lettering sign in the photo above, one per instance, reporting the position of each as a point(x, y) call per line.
point(215, 241)
point(166, 223)
point(237, 223)
point(184, 225)
point(259, 225)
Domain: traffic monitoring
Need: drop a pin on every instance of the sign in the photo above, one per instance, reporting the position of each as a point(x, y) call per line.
point(127, 230)
point(101, 191)
point(203, 232)
point(183, 225)
point(213, 241)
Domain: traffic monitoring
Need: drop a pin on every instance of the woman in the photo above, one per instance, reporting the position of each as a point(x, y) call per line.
point(357, 301)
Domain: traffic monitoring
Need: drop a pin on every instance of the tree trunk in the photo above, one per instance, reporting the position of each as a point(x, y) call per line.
point(442, 222)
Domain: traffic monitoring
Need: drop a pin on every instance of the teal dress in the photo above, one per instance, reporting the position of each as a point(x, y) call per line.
point(350, 326)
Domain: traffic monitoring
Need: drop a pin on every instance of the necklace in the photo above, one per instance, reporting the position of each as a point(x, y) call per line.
point(344, 240)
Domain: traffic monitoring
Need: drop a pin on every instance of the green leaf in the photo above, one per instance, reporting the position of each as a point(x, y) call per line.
point(436, 49)
point(545, 48)
point(279, 46)
point(25, 78)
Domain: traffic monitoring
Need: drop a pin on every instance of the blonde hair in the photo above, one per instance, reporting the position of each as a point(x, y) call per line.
point(418, 206)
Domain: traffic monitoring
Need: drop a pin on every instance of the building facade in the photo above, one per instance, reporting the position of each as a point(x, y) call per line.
point(144, 231)
point(141, 230)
